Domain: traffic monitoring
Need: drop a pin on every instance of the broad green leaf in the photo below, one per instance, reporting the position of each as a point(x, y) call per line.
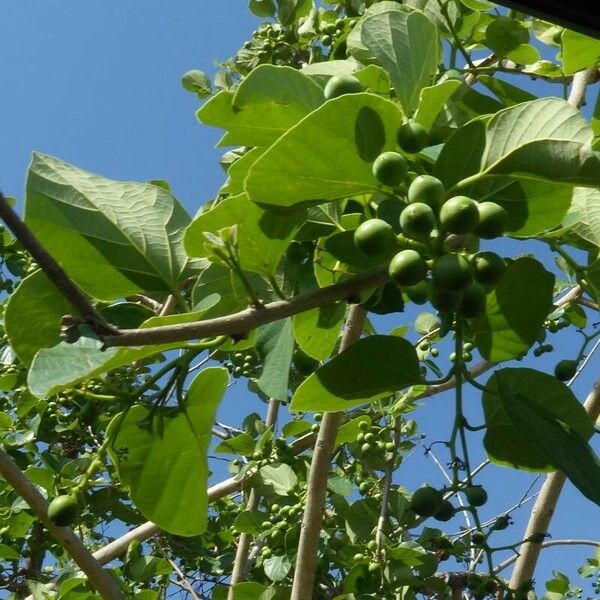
point(197, 82)
point(516, 310)
point(269, 101)
point(504, 441)
point(277, 478)
point(248, 590)
point(238, 172)
point(100, 232)
point(242, 444)
point(217, 279)
point(504, 34)
point(32, 317)
point(275, 345)
point(277, 567)
point(348, 431)
point(327, 155)
point(262, 235)
point(8, 553)
point(161, 455)
point(524, 54)
point(432, 100)
point(544, 139)
point(316, 331)
point(508, 94)
point(262, 8)
point(407, 46)
point(579, 51)
point(583, 217)
point(249, 521)
point(64, 365)
point(433, 11)
point(379, 364)
point(562, 445)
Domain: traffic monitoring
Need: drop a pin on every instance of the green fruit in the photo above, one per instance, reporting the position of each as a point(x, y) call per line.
point(565, 370)
point(459, 215)
point(374, 237)
point(427, 189)
point(445, 300)
point(342, 84)
point(88, 414)
point(476, 495)
point(489, 267)
point(452, 272)
point(501, 523)
point(473, 301)
point(417, 220)
point(445, 512)
point(358, 557)
point(326, 40)
point(63, 510)
point(412, 137)
point(492, 220)
point(296, 253)
point(372, 545)
point(426, 501)
point(478, 538)
point(407, 268)
point(419, 293)
point(390, 168)
point(373, 567)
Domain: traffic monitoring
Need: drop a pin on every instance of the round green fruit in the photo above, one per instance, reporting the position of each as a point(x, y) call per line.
point(417, 221)
point(390, 168)
point(374, 237)
point(445, 512)
point(412, 137)
point(63, 510)
point(473, 301)
point(419, 293)
point(407, 268)
point(342, 84)
point(426, 501)
point(501, 523)
point(476, 495)
point(427, 189)
point(445, 300)
point(489, 267)
point(459, 214)
point(478, 538)
point(88, 414)
point(452, 272)
point(492, 220)
point(565, 370)
point(296, 252)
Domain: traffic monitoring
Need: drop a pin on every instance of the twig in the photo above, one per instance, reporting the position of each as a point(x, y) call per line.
point(579, 87)
point(242, 563)
point(54, 271)
point(306, 562)
point(169, 307)
point(544, 506)
point(101, 580)
point(184, 583)
point(588, 304)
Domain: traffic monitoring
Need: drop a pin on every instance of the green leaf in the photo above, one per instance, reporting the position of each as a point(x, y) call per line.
point(508, 94)
point(407, 46)
point(583, 217)
point(299, 167)
point(197, 82)
point(504, 441)
point(62, 366)
point(262, 8)
point(8, 553)
point(269, 101)
point(504, 34)
point(275, 345)
point(316, 331)
point(99, 231)
point(562, 445)
point(238, 172)
point(33, 315)
point(248, 590)
point(379, 364)
point(242, 444)
point(160, 455)
point(557, 148)
point(249, 521)
point(340, 485)
point(579, 51)
point(516, 310)
point(277, 478)
point(348, 431)
point(277, 567)
point(262, 235)
point(432, 100)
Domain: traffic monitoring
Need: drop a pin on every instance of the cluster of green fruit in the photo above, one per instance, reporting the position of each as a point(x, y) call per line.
point(329, 32)
point(243, 364)
point(284, 519)
point(374, 440)
point(429, 502)
point(271, 42)
point(459, 281)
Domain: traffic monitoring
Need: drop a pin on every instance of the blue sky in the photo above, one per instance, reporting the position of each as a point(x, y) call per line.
point(98, 85)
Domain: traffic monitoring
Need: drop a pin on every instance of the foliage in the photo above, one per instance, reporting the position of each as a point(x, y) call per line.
point(359, 147)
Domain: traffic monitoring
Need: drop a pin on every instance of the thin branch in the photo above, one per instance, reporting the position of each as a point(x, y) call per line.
point(183, 580)
point(53, 270)
point(509, 561)
point(241, 563)
point(240, 323)
point(543, 509)
point(579, 87)
point(101, 580)
point(169, 307)
point(306, 562)
point(588, 304)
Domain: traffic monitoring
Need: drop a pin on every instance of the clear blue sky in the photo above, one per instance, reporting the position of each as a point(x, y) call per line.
point(98, 85)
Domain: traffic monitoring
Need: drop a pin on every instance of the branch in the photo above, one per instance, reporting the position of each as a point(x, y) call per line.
point(306, 562)
point(53, 270)
point(102, 581)
point(241, 563)
point(544, 506)
point(240, 323)
point(579, 87)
